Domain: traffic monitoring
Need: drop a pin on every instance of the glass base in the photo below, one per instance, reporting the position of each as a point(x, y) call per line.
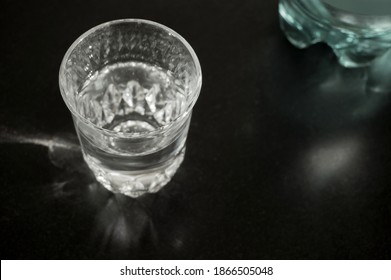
point(136, 182)
point(354, 45)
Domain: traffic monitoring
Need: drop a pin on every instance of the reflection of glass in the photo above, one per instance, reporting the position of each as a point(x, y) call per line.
point(323, 94)
point(358, 31)
point(131, 86)
point(113, 225)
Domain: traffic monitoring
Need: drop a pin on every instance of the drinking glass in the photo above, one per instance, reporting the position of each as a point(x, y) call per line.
point(359, 31)
point(131, 85)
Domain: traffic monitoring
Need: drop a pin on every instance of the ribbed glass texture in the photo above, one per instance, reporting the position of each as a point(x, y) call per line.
point(358, 31)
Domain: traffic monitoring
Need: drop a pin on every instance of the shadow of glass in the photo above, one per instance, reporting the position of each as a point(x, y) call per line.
point(118, 226)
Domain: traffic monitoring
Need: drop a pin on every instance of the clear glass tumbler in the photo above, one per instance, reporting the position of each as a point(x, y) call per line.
point(131, 85)
point(359, 31)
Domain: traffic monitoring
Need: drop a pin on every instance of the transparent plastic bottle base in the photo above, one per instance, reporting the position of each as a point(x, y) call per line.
point(359, 32)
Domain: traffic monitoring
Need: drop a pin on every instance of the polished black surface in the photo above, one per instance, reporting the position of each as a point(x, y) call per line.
point(288, 156)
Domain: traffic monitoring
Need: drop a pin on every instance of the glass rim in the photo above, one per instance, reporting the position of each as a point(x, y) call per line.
point(194, 93)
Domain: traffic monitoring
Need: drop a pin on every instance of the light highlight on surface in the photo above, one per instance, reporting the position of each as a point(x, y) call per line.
point(332, 160)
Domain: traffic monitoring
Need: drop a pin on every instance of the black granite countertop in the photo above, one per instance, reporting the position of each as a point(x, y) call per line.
point(287, 156)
